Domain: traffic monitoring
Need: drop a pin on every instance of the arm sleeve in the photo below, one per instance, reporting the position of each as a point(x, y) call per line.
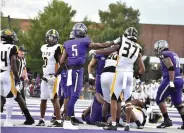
point(87, 41)
point(118, 40)
point(163, 55)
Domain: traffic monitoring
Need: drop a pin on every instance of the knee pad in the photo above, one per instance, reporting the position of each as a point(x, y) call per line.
point(128, 100)
point(113, 97)
point(10, 95)
point(119, 100)
point(180, 109)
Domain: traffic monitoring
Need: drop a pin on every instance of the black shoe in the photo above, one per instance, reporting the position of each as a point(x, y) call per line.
point(29, 121)
point(101, 124)
point(75, 120)
point(53, 119)
point(127, 128)
point(41, 123)
point(57, 124)
point(166, 123)
point(140, 127)
point(110, 127)
point(182, 127)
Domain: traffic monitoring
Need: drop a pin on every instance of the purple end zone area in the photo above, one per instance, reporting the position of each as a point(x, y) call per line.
point(60, 130)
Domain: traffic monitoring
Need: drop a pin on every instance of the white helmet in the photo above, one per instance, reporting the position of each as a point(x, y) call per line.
point(160, 46)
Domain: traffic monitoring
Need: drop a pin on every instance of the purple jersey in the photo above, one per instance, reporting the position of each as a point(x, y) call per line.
point(175, 60)
point(77, 50)
point(100, 63)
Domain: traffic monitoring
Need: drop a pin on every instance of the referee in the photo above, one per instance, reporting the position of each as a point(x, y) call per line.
point(21, 62)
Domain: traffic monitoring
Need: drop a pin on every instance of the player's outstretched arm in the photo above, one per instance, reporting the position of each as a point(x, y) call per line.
point(140, 64)
point(100, 45)
point(108, 51)
point(168, 63)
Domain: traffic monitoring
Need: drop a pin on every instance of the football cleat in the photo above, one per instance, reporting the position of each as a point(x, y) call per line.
point(41, 123)
point(166, 123)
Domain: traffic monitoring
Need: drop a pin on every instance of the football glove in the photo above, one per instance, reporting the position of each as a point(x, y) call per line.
point(51, 79)
point(91, 79)
point(171, 85)
point(137, 75)
point(92, 52)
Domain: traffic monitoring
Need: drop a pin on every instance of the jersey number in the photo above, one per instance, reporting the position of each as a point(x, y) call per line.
point(177, 61)
point(74, 50)
point(127, 50)
point(4, 57)
point(45, 61)
point(112, 56)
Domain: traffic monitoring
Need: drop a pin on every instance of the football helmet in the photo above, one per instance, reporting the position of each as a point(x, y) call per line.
point(8, 36)
point(79, 30)
point(155, 117)
point(131, 33)
point(160, 46)
point(52, 37)
point(72, 35)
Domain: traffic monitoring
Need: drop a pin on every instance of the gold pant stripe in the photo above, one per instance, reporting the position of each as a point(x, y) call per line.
point(113, 83)
point(13, 89)
point(55, 86)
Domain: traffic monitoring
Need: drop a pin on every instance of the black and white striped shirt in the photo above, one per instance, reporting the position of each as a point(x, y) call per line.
point(21, 62)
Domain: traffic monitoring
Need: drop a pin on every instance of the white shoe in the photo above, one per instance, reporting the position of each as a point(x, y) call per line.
point(68, 125)
point(8, 123)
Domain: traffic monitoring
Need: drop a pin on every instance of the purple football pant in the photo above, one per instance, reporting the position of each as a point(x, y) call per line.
point(98, 84)
point(63, 83)
point(164, 91)
point(95, 114)
point(75, 89)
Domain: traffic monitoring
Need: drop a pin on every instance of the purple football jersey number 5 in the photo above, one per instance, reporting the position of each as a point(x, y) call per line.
point(177, 61)
point(74, 50)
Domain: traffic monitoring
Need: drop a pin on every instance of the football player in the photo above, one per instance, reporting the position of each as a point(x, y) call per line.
point(172, 83)
point(138, 115)
point(129, 52)
point(108, 71)
point(9, 66)
point(92, 114)
point(51, 53)
point(99, 62)
point(75, 52)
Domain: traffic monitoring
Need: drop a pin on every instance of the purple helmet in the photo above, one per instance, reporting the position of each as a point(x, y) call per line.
point(80, 30)
point(72, 35)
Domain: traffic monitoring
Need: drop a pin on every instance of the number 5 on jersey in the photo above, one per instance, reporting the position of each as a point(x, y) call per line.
point(74, 50)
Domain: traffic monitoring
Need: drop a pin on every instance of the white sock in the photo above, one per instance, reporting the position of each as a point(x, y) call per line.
point(59, 121)
point(9, 107)
point(42, 119)
point(127, 124)
point(114, 123)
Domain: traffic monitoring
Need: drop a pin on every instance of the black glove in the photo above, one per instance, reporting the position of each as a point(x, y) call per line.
point(91, 81)
point(137, 75)
point(17, 81)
